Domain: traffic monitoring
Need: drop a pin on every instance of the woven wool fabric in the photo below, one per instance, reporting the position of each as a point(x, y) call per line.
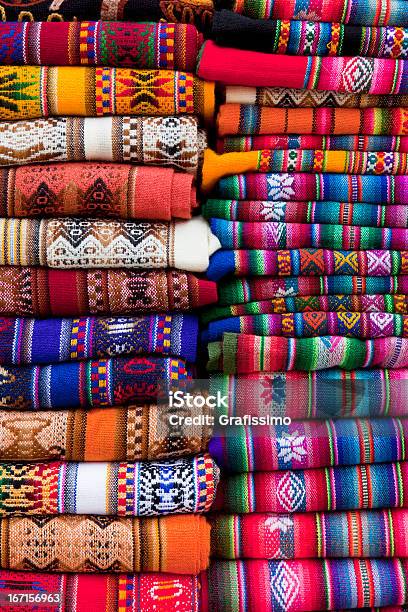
point(151, 488)
point(366, 12)
point(325, 303)
point(305, 187)
point(29, 92)
point(239, 353)
point(158, 141)
point(311, 536)
point(41, 292)
point(134, 433)
point(307, 262)
point(364, 325)
point(311, 444)
point(307, 37)
point(105, 592)
point(300, 160)
point(25, 341)
point(138, 45)
point(344, 74)
point(105, 544)
point(82, 384)
point(96, 189)
point(332, 213)
point(322, 394)
point(306, 586)
point(294, 98)
point(333, 143)
point(188, 11)
point(271, 235)
point(95, 243)
point(252, 119)
point(376, 485)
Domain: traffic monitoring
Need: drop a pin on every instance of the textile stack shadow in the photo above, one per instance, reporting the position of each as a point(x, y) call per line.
point(308, 196)
point(102, 255)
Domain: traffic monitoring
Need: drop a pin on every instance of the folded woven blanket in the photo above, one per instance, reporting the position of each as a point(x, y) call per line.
point(181, 486)
point(377, 485)
point(82, 384)
point(294, 98)
point(251, 119)
point(311, 444)
point(188, 11)
point(41, 292)
point(272, 235)
point(300, 160)
point(106, 544)
point(158, 141)
point(240, 353)
point(138, 45)
point(331, 213)
point(24, 340)
point(305, 187)
point(307, 262)
point(322, 394)
point(335, 143)
point(310, 536)
point(349, 74)
point(307, 37)
point(365, 12)
point(243, 290)
point(94, 243)
point(33, 91)
point(134, 433)
point(96, 189)
point(364, 325)
point(309, 585)
point(103, 592)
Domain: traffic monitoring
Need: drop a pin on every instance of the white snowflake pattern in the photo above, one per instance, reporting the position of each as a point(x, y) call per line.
point(280, 186)
point(291, 446)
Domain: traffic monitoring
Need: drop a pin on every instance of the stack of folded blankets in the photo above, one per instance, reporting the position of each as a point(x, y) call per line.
point(101, 135)
point(309, 199)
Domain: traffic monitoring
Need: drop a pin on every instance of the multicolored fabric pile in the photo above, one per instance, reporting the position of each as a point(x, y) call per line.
point(308, 342)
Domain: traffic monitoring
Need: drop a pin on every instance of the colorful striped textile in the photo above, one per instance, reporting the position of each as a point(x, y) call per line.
point(332, 213)
point(94, 43)
point(105, 544)
point(33, 91)
point(134, 433)
point(368, 534)
point(41, 292)
point(372, 486)
point(230, 144)
point(25, 340)
point(305, 187)
point(95, 243)
point(103, 592)
point(307, 262)
point(151, 488)
point(307, 586)
point(239, 353)
point(273, 235)
point(99, 383)
point(300, 160)
point(364, 325)
point(159, 141)
point(327, 303)
point(365, 12)
point(294, 98)
point(348, 74)
point(96, 189)
point(311, 444)
point(322, 394)
point(307, 37)
point(235, 119)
